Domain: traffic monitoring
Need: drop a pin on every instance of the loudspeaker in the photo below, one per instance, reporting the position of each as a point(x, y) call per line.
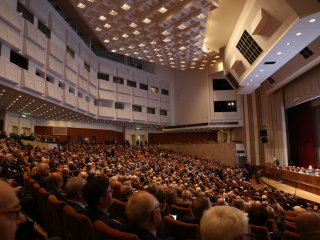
point(263, 133)
point(264, 139)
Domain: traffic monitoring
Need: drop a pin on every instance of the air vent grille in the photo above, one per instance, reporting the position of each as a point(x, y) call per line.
point(270, 80)
point(269, 63)
point(249, 47)
point(232, 80)
point(306, 52)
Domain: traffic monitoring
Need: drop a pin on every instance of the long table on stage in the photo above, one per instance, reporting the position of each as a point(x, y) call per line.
point(303, 181)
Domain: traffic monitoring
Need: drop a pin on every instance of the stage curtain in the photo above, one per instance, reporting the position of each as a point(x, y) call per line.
point(300, 135)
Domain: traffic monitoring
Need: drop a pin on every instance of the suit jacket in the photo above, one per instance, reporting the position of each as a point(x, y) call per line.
point(141, 233)
point(41, 181)
point(76, 207)
point(95, 214)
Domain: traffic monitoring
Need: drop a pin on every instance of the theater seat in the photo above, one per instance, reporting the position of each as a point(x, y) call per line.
point(181, 212)
point(55, 207)
point(102, 231)
point(117, 210)
point(261, 233)
point(76, 226)
point(180, 230)
point(291, 235)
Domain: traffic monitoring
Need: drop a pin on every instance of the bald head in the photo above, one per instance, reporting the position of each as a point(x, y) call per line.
point(42, 169)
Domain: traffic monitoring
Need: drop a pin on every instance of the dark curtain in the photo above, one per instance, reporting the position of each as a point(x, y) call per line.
point(300, 135)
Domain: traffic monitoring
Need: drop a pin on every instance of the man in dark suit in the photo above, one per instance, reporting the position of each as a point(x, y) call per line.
point(144, 215)
point(98, 195)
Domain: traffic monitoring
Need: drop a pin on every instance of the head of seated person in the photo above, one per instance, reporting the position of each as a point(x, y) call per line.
point(143, 211)
point(74, 187)
point(115, 186)
point(223, 222)
point(198, 206)
point(10, 216)
point(125, 192)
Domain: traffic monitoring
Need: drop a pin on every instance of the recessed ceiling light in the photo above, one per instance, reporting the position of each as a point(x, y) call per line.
point(288, 44)
point(156, 50)
point(217, 56)
point(279, 53)
point(312, 20)
point(248, 84)
point(113, 13)
point(125, 35)
point(146, 20)
point(298, 34)
point(145, 51)
point(192, 67)
point(181, 27)
point(81, 5)
point(107, 25)
point(102, 18)
point(182, 48)
point(115, 38)
point(256, 75)
point(90, 0)
point(141, 45)
point(121, 49)
point(167, 40)
point(201, 68)
point(133, 25)
point(201, 16)
point(261, 70)
point(158, 55)
point(98, 29)
point(169, 54)
point(165, 33)
point(136, 53)
point(136, 32)
point(153, 42)
point(162, 10)
point(131, 47)
point(125, 7)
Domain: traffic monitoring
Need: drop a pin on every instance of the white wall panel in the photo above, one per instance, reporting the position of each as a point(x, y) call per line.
point(11, 36)
point(83, 84)
point(70, 98)
point(10, 71)
point(152, 81)
point(71, 76)
point(106, 112)
point(58, 26)
point(140, 76)
point(153, 104)
point(164, 106)
point(124, 98)
point(55, 65)
point(84, 52)
point(153, 118)
point(164, 98)
point(123, 114)
point(73, 40)
point(93, 61)
point(152, 95)
point(93, 109)
point(139, 116)
point(164, 119)
point(83, 73)
point(54, 91)
point(107, 85)
point(40, 9)
point(140, 101)
point(35, 35)
point(125, 71)
point(93, 91)
point(32, 82)
point(140, 93)
point(93, 77)
point(56, 51)
point(71, 63)
point(11, 16)
point(121, 88)
point(35, 52)
point(82, 104)
point(107, 95)
point(108, 67)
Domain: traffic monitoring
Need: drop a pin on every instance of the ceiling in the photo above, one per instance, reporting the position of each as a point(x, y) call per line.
point(174, 33)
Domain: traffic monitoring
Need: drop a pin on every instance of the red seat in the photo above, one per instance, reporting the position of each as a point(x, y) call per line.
point(102, 231)
point(180, 230)
point(261, 233)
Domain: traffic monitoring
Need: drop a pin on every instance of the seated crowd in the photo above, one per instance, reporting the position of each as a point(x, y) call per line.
point(152, 183)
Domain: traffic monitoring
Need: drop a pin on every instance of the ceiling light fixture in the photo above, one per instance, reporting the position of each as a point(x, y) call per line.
point(298, 34)
point(201, 16)
point(81, 5)
point(146, 20)
point(312, 20)
point(107, 25)
point(113, 13)
point(279, 53)
point(162, 10)
point(165, 33)
point(125, 7)
point(136, 32)
point(125, 35)
point(153, 42)
point(98, 29)
point(181, 27)
point(102, 18)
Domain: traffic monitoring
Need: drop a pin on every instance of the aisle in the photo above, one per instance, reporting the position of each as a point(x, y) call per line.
point(286, 188)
